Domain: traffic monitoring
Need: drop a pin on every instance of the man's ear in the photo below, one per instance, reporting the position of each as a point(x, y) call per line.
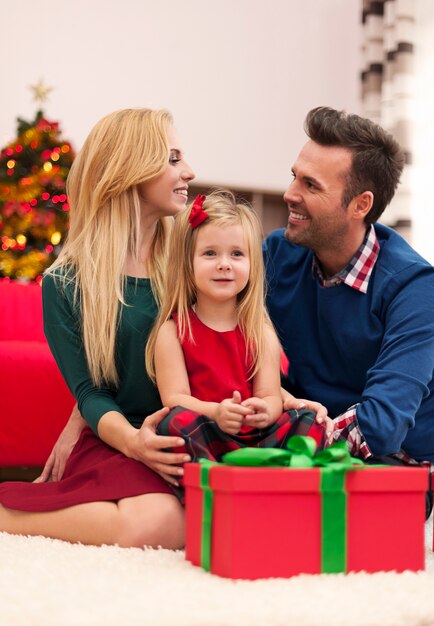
point(362, 204)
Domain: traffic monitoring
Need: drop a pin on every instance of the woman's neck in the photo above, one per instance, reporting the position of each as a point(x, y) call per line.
point(138, 267)
point(221, 316)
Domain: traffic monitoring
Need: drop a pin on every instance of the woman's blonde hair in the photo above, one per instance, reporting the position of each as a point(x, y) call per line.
point(123, 150)
point(180, 293)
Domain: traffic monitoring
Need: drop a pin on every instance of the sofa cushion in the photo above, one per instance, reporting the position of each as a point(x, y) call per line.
point(35, 402)
point(21, 311)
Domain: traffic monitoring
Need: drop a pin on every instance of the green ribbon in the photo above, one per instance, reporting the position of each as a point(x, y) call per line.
point(299, 453)
point(205, 547)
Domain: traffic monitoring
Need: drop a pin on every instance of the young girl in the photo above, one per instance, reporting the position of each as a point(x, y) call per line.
point(213, 351)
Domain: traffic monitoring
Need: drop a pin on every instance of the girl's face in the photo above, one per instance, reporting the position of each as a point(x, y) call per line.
point(167, 194)
point(221, 262)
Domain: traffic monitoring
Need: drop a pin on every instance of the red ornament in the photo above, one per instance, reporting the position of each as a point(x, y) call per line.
point(45, 126)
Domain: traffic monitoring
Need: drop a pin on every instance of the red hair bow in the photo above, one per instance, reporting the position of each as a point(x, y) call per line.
point(197, 214)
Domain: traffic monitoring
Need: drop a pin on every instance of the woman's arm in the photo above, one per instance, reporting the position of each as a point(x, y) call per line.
point(62, 327)
point(97, 404)
point(55, 464)
point(143, 444)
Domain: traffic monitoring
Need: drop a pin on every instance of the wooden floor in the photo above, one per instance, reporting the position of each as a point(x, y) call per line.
point(19, 473)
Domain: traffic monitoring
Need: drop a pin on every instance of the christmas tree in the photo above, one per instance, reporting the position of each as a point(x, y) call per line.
point(33, 202)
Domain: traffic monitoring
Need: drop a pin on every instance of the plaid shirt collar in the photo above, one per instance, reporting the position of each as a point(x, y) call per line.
point(358, 271)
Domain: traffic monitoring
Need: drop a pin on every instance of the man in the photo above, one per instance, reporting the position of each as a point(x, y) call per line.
point(352, 302)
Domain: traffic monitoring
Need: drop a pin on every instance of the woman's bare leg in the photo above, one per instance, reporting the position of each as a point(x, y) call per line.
point(155, 519)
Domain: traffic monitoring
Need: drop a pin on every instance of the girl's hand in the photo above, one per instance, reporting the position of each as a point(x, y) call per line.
point(290, 402)
point(149, 448)
point(55, 464)
point(261, 417)
point(230, 414)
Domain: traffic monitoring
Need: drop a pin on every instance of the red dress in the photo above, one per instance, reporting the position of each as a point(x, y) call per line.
point(217, 364)
point(94, 472)
point(220, 357)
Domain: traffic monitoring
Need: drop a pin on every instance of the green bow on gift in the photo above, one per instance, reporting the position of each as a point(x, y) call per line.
point(300, 453)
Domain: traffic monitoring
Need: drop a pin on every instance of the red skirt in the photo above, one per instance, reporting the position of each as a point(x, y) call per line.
point(94, 472)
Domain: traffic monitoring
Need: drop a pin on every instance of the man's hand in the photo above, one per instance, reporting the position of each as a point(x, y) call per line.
point(290, 402)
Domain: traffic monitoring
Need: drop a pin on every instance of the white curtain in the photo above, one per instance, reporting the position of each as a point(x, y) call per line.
point(388, 88)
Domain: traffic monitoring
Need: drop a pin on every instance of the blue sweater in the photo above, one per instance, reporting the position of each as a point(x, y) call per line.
point(346, 347)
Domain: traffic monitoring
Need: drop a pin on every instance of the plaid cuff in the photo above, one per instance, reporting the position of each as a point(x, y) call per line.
point(347, 429)
point(406, 458)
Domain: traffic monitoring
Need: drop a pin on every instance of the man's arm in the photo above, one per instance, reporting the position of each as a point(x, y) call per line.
point(398, 381)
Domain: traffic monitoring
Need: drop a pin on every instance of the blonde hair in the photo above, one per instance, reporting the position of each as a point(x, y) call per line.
point(123, 150)
point(180, 293)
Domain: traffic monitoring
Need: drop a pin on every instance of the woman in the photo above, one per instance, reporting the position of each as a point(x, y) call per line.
point(100, 301)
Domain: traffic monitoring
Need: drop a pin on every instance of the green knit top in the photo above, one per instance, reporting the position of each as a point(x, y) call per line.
point(136, 397)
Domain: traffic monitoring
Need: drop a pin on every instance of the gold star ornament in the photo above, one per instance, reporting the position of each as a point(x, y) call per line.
point(40, 91)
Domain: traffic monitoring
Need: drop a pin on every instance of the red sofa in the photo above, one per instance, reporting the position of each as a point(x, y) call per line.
point(35, 402)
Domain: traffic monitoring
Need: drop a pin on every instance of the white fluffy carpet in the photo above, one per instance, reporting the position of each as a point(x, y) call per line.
point(52, 583)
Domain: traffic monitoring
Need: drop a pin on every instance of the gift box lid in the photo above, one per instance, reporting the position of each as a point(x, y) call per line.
point(284, 479)
point(388, 478)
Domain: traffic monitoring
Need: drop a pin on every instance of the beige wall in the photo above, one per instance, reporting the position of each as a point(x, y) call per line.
point(423, 179)
point(238, 75)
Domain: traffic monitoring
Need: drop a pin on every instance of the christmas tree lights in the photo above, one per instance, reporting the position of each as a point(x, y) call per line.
point(33, 202)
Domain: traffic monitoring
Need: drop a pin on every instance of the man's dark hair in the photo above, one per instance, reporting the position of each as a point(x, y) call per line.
point(377, 161)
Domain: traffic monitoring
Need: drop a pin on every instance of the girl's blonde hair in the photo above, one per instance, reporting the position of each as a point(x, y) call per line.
point(180, 293)
point(123, 150)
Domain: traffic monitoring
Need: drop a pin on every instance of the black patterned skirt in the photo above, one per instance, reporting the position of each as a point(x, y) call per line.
point(204, 439)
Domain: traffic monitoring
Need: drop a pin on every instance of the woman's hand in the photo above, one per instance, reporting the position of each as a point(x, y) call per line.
point(146, 446)
point(55, 464)
point(290, 402)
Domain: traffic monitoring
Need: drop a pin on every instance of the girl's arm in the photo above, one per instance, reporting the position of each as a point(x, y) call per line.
point(174, 387)
point(267, 399)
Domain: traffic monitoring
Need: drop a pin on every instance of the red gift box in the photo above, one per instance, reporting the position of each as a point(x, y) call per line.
point(267, 521)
